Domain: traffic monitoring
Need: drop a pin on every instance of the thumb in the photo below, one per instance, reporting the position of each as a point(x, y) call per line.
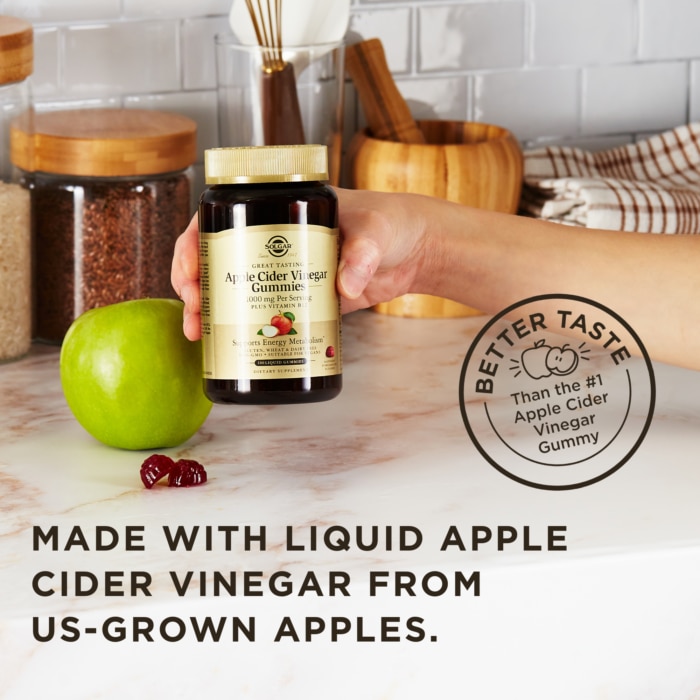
point(359, 260)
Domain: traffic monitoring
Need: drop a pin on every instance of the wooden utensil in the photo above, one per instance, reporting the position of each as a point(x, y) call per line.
point(388, 115)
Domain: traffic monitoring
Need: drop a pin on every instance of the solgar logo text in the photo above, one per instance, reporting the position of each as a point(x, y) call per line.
point(278, 246)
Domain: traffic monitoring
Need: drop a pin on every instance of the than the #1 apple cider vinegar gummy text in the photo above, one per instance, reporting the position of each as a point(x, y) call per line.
point(269, 247)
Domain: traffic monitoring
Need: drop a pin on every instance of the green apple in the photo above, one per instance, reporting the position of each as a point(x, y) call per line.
point(130, 376)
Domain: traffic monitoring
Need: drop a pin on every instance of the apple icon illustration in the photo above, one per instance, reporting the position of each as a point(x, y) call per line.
point(561, 361)
point(534, 360)
point(283, 322)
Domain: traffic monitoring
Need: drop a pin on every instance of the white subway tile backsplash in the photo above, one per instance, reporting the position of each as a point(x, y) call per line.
point(583, 33)
point(147, 9)
point(529, 103)
point(45, 78)
point(198, 52)
point(568, 71)
point(432, 98)
point(62, 10)
point(470, 36)
point(122, 57)
point(619, 99)
point(393, 27)
point(669, 29)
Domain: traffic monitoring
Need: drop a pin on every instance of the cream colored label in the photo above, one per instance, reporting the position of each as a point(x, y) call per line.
point(270, 309)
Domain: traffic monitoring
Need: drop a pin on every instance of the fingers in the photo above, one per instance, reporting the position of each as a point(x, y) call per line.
point(185, 266)
point(184, 277)
point(191, 325)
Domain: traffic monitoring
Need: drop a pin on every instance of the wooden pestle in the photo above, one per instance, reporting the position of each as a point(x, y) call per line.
point(388, 116)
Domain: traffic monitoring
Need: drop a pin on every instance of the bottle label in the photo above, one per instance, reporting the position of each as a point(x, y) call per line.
point(270, 309)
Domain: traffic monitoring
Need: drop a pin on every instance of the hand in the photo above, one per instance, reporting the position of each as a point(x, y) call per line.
point(383, 246)
point(184, 277)
point(383, 251)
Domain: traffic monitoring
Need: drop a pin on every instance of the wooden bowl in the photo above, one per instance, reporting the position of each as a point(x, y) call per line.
point(480, 165)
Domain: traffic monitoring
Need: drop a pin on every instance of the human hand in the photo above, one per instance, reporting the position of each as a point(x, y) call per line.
point(383, 246)
point(184, 277)
point(383, 250)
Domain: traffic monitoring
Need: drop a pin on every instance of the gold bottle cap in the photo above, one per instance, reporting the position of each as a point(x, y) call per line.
point(251, 164)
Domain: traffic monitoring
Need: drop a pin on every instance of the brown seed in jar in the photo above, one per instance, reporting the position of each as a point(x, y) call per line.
point(98, 242)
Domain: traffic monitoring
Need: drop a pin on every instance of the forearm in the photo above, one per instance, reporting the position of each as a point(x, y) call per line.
point(490, 261)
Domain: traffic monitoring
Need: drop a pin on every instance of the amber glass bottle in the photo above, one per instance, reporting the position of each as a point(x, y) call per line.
point(271, 325)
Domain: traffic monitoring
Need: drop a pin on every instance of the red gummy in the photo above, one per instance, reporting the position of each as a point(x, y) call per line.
point(155, 468)
point(187, 472)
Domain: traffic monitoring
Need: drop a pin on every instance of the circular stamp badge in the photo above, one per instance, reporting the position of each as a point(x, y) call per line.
point(557, 392)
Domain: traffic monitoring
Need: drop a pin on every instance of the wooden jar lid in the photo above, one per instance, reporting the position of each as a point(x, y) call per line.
point(16, 49)
point(104, 142)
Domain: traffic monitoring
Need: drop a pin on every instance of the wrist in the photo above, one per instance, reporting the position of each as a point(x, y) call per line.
point(443, 256)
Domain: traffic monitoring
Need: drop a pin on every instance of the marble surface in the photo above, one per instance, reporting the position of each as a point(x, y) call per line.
point(616, 615)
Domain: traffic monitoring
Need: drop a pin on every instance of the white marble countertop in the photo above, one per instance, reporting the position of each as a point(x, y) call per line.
point(615, 616)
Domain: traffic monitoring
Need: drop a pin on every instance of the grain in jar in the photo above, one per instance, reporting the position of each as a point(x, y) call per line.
point(110, 193)
point(16, 63)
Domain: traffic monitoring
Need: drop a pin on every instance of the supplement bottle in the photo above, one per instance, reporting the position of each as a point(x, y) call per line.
point(271, 325)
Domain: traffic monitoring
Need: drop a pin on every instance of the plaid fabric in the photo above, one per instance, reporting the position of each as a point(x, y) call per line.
point(651, 186)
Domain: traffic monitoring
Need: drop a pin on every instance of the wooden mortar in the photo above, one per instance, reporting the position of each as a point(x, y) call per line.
point(480, 165)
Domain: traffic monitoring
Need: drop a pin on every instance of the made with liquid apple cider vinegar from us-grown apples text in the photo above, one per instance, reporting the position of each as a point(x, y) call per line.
point(269, 248)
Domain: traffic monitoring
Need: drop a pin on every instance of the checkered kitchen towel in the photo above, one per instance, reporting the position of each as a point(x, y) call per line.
point(651, 186)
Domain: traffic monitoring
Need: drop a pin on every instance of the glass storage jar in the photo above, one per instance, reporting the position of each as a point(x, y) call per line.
point(110, 193)
point(16, 63)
